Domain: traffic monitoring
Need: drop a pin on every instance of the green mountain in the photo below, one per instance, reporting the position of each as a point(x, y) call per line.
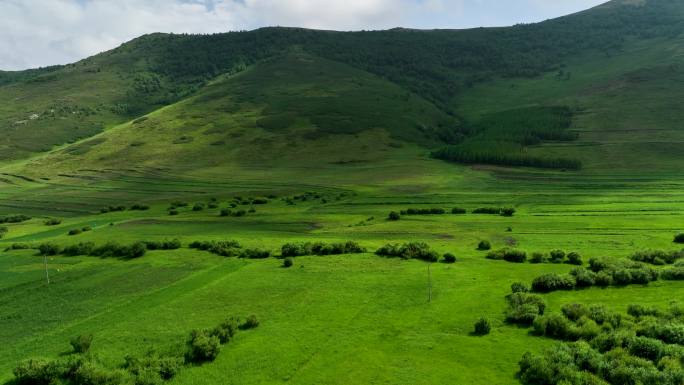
point(565, 93)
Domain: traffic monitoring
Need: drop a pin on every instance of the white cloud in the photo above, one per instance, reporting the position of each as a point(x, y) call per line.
point(44, 32)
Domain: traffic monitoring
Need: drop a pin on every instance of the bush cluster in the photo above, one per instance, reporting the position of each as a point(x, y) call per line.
point(222, 248)
point(509, 255)
point(152, 368)
point(484, 245)
point(255, 254)
point(657, 257)
point(14, 218)
point(140, 207)
point(411, 250)
point(172, 244)
point(602, 347)
point(231, 213)
point(108, 250)
point(431, 211)
point(523, 308)
point(449, 258)
point(79, 231)
point(679, 238)
point(482, 327)
point(3, 231)
point(52, 222)
point(320, 248)
point(111, 209)
point(503, 211)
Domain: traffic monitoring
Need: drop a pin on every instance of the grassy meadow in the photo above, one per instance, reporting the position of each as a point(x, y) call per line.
point(344, 319)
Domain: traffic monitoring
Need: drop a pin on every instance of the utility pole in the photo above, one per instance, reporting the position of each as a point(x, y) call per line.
point(47, 275)
point(429, 284)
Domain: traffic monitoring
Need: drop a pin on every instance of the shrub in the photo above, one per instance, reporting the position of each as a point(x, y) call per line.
point(225, 212)
point(113, 249)
point(153, 368)
point(18, 246)
point(109, 209)
point(259, 201)
point(484, 245)
point(603, 279)
point(487, 210)
point(14, 218)
point(173, 244)
point(657, 257)
point(557, 256)
point(482, 327)
point(583, 277)
point(255, 254)
point(52, 222)
point(75, 231)
point(449, 258)
point(288, 262)
point(679, 238)
point(509, 255)
point(636, 310)
point(458, 211)
point(537, 258)
point(79, 249)
point(140, 207)
point(35, 371)
point(198, 207)
point(251, 322)
point(507, 212)
point(574, 311)
point(394, 216)
point(225, 330)
point(574, 258)
point(49, 249)
point(411, 250)
point(648, 348)
point(173, 212)
point(552, 282)
point(81, 344)
point(3, 231)
point(202, 347)
point(86, 228)
point(524, 308)
point(673, 274)
point(222, 248)
point(519, 287)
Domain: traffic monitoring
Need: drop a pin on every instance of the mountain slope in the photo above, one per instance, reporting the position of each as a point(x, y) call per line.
point(295, 108)
point(446, 69)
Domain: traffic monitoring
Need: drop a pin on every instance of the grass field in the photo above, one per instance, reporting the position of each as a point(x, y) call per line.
point(335, 319)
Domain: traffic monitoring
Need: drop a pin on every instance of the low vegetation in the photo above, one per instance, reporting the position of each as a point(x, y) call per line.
point(411, 250)
point(14, 218)
point(320, 248)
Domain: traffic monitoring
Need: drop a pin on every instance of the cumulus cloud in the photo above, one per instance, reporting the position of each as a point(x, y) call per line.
point(44, 32)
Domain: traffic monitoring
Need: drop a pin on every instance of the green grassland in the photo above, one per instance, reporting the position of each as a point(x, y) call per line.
point(352, 121)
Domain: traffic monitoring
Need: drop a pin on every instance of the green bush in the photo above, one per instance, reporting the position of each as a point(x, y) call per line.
point(523, 308)
point(202, 347)
point(81, 344)
point(537, 258)
point(52, 222)
point(288, 262)
point(3, 231)
point(574, 258)
point(583, 277)
point(255, 254)
point(75, 232)
point(509, 255)
point(198, 207)
point(35, 371)
point(552, 282)
point(82, 248)
point(484, 245)
point(482, 327)
point(394, 216)
point(140, 207)
point(172, 244)
point(250, 322)
point(657, 257)
point(49, 249)
point(458, 211)
point(507, 211)
point(225, 330)
point(557, 256)
point(449, 258)
point(173, 212)
point(673, 274)
point(519, 287)
point(411, 250)
point(679, 238)
point(14, 218)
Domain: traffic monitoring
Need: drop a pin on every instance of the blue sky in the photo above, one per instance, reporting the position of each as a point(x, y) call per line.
point(44, 32)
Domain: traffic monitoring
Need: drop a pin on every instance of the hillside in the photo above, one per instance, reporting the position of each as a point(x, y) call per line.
point(447, 69)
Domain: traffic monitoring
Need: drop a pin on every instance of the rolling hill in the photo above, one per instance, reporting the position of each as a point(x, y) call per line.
point(311, 178)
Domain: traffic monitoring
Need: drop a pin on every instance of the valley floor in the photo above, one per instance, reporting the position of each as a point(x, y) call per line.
point(352, 319)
